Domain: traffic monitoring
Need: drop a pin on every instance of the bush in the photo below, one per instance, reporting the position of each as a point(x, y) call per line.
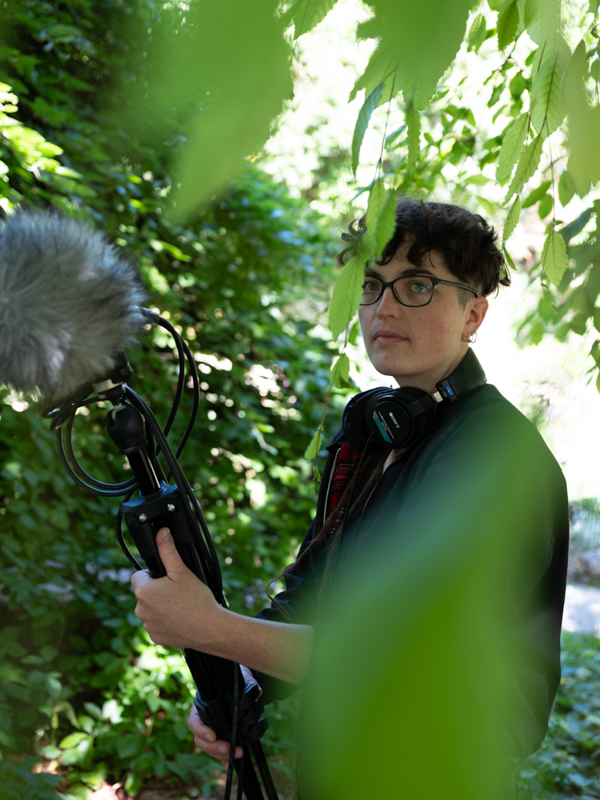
point(568, 762)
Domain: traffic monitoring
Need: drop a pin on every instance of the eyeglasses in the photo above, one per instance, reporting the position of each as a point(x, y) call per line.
point(409, 290)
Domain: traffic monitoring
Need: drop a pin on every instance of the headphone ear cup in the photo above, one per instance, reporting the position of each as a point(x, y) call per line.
point(354, 420)
point(394, 417)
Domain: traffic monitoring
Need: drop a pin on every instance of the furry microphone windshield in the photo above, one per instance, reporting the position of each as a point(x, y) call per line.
point(68, 303)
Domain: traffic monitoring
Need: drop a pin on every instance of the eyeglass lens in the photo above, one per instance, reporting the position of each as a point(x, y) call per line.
point(410, 291)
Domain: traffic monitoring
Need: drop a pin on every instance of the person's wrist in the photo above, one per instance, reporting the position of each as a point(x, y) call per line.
point(214, 620)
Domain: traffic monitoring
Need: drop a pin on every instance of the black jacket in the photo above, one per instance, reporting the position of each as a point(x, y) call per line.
point(482, 461)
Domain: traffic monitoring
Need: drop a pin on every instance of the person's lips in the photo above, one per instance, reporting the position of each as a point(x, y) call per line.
point(385, 336)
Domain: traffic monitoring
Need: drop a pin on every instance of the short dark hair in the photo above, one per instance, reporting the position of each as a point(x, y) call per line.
point(466, 241)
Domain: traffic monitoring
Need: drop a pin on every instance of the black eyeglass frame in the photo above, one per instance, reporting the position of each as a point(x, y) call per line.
point(434, 281)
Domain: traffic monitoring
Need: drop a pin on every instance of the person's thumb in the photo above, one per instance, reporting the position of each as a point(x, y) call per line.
point(168, 552)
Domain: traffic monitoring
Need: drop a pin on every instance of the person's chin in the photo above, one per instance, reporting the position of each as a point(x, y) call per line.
point(398, 371)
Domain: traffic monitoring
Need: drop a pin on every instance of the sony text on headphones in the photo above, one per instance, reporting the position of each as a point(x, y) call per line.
point(397, 417)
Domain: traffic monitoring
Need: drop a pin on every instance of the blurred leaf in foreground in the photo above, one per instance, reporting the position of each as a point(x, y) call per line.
point(218, 76)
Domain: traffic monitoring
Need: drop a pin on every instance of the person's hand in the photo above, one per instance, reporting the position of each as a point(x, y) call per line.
point(205, 738)
point(178, 609)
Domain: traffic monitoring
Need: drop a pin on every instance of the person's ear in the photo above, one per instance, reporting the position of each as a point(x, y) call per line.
point(476, 314)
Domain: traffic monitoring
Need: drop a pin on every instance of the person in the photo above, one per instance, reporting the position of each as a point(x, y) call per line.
point(422, 304)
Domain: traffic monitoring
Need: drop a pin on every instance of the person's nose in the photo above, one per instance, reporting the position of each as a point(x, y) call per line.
point(387, 305)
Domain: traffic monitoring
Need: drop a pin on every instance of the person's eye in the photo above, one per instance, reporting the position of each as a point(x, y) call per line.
point(371, 286)
point(420, 287)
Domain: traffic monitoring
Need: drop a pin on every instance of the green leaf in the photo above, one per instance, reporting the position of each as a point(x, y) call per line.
point(512, 144)
point(419, 40)
point(547, 105)
point(131, 745)
point(7, 739)
point(528, 164)
point(536, 194)
point(508, 21)
point(577, 225)
point(340, 374)
point(566, 188)
point(477, 180)
point(315, 443)
point(512, 219)
point(62, 33)
point(220, 110)
point(51, 752)
point(362, 122)
point(584, 125)
point(487, 205)
point(477, 32)
point(413, 136)
point(133, 783)
point(346, 295)
point(306, 14)
point(508, 257)
point(517, 85)
point(73, 739)
point(380, 220)
point(541, 19)
point(546, 204)
point(554, 257)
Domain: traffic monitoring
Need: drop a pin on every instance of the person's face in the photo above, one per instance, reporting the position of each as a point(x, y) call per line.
point(419, 346)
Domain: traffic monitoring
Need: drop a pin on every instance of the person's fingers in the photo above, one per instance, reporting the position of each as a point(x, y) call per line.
point(139, 578)
point(219, 749)
point(168, 553)
point(199, 728)
point(250, 679)
point(205, 739)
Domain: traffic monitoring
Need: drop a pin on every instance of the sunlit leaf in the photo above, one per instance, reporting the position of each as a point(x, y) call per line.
point(346, 295)
point(340, 373)
point(541, 19)
point(477, 32)
point(528, 164)
point(508, 20)
point(512, 219)
point(511, 146)
point(508, 257)
point(547, 107)
point(314, 446)
point(362, 122)
point(380, 220)
point(545, 206)
point(419, 52)
point(554, 257)
point(306, 14)
point(382, 65)
point(487, 205)
point(536, 194)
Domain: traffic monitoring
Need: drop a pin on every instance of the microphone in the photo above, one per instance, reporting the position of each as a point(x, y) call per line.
point(69, 302)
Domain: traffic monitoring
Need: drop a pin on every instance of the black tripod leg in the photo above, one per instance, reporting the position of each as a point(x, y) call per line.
point(247, 775)
point(263, 768)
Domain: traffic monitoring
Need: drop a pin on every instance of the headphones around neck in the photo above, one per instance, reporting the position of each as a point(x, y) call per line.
point(398, 417)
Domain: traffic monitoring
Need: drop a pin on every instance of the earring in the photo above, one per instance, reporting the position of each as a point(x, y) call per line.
point(471, 339)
